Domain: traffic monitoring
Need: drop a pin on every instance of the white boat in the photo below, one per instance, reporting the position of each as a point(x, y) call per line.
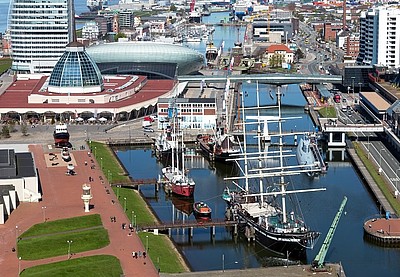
point(262, 206)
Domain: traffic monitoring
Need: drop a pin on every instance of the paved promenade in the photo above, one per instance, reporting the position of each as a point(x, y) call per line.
point(62, 199)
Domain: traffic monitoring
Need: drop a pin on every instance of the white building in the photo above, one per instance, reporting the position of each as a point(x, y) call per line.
point(18, 181)
point(380, 37)
point(91, 31)
point(39, 30)
point(194, 113)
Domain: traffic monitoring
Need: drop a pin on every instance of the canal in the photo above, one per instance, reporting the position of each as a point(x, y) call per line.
point(359, 257)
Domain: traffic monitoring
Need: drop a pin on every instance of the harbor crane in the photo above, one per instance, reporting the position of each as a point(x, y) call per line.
point(319, 261)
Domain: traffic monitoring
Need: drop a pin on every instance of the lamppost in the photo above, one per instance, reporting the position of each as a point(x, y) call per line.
point(124, 204)
point(69, 248)
point(95, 151)
point(44, 213)
point(19, 266)
point(16, 234)
point(101, 163)
point(147, 243)
point(352, 80)
point(223, 262)
point(132, 217)
point(397, 180)
point(135, 222)
point(380, 160)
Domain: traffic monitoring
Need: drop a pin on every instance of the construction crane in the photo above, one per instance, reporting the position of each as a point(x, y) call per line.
point(319, 261)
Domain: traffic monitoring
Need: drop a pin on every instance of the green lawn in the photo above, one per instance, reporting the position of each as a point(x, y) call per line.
point(328, 112)
point(50, 238)
point(96, 266)
point(63, 225)
point(377, 178)
point(5, 64)
point(161, 253)
point(161, 250)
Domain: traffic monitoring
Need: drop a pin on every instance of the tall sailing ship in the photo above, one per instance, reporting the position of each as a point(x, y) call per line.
point(176, 175)
point(262, 205)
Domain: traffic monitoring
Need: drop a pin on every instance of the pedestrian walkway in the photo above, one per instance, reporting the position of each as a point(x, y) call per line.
point(56, 185)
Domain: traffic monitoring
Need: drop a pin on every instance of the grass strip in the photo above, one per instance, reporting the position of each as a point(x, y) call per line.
point(328, 112)
point(96, 266)
point(162, 252)
point(379, 180)
point(63, 225)
point(57, 245)
point(5, 64)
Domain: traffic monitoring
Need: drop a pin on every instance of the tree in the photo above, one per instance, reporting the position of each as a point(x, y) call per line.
point(5, 132)
point(172, 8)
point(24, 129)
point(119, 35)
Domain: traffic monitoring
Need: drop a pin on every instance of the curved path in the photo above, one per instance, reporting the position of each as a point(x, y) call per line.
point(62, 199)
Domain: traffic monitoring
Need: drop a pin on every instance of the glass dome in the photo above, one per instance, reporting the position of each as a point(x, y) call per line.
point(75, 72)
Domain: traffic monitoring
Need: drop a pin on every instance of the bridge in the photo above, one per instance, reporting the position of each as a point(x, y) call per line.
point(272, 79)
point(191, 224)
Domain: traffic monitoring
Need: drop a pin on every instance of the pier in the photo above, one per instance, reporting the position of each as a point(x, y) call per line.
point(191, 224)
point(383, 231)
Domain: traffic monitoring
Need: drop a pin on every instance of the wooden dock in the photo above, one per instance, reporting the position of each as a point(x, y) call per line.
point(192, 224)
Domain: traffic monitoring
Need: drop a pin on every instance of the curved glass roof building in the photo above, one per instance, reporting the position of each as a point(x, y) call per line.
point(160, 60)
point(75, 72)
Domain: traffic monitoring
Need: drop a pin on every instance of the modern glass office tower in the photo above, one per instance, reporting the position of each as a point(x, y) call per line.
point(40, 31)
point(380, 36)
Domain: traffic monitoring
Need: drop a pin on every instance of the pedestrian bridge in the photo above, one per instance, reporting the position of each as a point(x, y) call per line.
point(273, 78)
point(355, 128)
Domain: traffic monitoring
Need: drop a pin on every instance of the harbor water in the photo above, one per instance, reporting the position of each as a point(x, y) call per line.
point(358, 256)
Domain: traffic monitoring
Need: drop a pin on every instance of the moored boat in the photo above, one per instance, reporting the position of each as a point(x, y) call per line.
point(262, 206)
point(201, 209)
point(61, 135)
point(218, 147)
point(175, 175)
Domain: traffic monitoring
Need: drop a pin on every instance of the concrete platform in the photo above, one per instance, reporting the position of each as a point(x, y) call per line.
point(281, 271)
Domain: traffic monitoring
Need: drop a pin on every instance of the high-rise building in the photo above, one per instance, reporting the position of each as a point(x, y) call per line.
point(40, 31)
point(380, 37)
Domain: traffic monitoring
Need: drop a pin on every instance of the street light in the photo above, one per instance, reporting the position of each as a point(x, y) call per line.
point(147, 243)
point(352, 79)
point(101, 163)
point(132, 217)
point(69, 248)
point(135, 222)
point(16, 233)
point(124, 204)
point(19, 266)
point(397, 180)
point(44, 213)
point(95, 151)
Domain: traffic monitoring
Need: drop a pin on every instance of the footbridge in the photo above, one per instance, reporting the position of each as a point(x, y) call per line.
point(330, 127)
point(272, 78)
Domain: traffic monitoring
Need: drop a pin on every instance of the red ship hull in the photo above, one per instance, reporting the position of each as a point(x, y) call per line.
point(183, 190)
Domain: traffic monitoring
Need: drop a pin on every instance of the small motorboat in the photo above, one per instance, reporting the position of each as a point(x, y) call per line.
point(201, 209)
point(226, 195)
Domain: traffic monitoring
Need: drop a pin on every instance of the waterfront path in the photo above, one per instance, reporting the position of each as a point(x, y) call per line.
point(370, 181)
point(62, 199)
point(279, 271)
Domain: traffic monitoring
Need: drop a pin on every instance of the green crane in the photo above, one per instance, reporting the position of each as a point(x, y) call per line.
point(320, 258)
